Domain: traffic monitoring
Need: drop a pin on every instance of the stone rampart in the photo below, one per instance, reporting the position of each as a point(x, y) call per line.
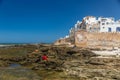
point(97, 39)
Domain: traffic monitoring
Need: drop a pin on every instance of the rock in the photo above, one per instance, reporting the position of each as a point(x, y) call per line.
point(116, 77)
point(77, 62)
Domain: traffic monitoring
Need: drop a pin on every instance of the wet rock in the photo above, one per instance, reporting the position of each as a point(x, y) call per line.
point(4, 63)
point(116, 77)
point(77, 62)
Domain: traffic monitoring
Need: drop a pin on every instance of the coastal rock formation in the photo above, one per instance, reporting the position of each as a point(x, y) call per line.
point(97, 40)
point(72, 62)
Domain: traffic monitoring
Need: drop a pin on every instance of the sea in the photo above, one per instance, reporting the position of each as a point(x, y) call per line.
point(12, 44)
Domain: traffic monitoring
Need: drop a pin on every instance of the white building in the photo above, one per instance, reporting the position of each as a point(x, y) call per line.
point(109, 25)
point(77, 25)
point(102, 24)
point(90, 20)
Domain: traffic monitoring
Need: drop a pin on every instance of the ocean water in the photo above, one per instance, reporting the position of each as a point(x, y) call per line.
point(12, 44)
point(9, 44)
point(4, 45)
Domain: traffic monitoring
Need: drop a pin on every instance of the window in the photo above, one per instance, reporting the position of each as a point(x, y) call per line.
point(107, 23)
point(103, 23)
point(90, 28)
point(103, 20)
point(95, 28)
point(99, 22)
point(118, 29)
point(109, 30)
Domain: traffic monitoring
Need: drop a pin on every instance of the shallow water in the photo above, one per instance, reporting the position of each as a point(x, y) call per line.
point(17, 72)
point(14, 65)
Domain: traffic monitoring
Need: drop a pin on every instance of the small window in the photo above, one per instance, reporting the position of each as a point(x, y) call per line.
point(107, 23)
point(99, 22)
point(109, 30)
point(94, 28)
point(103, 20)
point(90, 28)
point(118, 29)
point(103, 23)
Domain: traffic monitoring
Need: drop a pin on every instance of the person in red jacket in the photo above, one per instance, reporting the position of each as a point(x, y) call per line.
point(45, 57)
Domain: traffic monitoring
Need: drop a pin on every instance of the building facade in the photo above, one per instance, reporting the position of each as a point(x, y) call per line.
point(100, 24)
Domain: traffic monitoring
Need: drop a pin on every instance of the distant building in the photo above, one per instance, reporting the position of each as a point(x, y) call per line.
point(109, 25)
point(94, 32)
point(100, 24)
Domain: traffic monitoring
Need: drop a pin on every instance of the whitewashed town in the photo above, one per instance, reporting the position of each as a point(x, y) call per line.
point(92, 24)
point(94, 32)
point(100, 24)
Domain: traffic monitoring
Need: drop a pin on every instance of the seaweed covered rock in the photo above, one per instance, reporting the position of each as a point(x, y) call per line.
point(57, 56)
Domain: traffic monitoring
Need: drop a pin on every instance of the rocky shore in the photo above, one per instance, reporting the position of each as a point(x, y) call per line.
point(64, 63)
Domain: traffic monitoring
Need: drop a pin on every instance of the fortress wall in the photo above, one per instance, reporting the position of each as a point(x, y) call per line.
point(96, 39)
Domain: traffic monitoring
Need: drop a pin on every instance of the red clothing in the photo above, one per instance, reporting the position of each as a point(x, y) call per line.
point(44, 58)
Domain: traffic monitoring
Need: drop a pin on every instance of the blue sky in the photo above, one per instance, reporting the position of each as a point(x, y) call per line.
point(48, 20)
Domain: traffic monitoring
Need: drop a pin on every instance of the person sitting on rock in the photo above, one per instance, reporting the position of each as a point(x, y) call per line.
point(45, 57)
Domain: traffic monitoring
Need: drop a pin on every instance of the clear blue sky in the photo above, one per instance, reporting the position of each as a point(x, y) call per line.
point(48, 20)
